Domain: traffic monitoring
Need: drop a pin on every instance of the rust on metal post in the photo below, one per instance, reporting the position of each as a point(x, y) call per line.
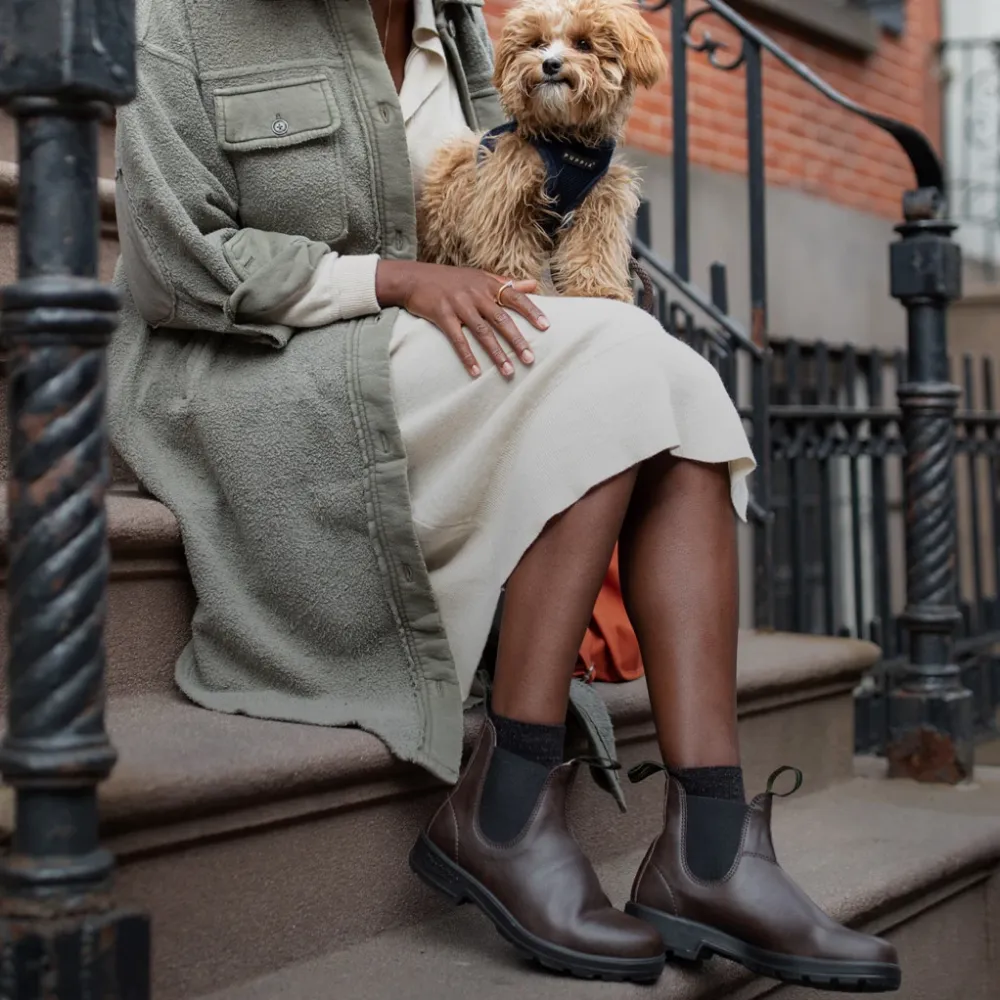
point(63, 65)
point(930, 711)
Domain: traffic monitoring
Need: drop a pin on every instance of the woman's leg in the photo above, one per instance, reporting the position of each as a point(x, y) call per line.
point(680, 583)
point(549, 600)
point(679, 576)
point(504, 825)
point(678, 558)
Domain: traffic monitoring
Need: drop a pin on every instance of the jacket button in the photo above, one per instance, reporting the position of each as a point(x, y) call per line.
point(279, 126)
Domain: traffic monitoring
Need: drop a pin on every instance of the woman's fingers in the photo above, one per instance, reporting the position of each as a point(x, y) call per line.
point(519, 302)
point(528, 285)
point(451, 326)
point(514, 296)
point(456, 306)
point(500, 320)
point(479, 326)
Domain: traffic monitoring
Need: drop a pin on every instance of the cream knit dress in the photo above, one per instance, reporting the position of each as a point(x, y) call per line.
point(490, 461)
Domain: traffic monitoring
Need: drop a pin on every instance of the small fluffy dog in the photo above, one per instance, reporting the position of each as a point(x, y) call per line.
point(542, 197)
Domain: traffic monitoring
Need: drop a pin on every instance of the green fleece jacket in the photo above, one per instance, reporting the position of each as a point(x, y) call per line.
point(265, 134)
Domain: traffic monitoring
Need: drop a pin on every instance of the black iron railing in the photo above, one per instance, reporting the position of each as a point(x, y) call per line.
point(970, 74)
point(809, 436)
point(837, 488)
point(63, 65)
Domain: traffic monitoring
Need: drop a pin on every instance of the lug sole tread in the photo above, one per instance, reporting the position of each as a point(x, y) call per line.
point(691, 943)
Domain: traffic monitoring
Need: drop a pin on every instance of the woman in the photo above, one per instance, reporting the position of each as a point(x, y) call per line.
point(352, 496)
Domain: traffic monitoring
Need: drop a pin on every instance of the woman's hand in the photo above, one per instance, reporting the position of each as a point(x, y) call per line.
point(455, 297)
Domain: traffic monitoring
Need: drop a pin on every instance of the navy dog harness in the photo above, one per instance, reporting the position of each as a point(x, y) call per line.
point(571, 170)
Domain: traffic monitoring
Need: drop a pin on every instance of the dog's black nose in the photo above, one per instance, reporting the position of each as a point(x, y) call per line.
point(551, 66)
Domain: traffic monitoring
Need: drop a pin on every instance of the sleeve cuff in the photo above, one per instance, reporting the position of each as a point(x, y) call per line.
point(340, 288)
point(354, 279)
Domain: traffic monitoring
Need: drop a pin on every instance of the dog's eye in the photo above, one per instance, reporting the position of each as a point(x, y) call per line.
point(538, 43)
point(583, 45)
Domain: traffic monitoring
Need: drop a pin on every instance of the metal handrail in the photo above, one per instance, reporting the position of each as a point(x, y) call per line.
point(736, 330)
point(927, 166)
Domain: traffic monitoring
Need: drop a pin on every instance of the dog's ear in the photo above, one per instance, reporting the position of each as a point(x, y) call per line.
point(644, 58)
point(504, 52)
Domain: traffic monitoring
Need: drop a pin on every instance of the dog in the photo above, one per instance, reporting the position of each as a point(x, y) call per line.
point(544, 197)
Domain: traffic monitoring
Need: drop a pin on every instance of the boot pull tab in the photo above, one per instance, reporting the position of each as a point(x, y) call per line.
point(777, 774)
point(644, 770)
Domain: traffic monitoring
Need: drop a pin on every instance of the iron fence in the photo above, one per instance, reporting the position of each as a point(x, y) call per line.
point(854, 512)
point(839, 509)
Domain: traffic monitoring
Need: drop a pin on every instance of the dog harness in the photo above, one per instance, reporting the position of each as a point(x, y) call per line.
point(571, 170)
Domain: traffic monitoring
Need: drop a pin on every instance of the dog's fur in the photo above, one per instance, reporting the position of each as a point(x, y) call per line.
point(492, 215)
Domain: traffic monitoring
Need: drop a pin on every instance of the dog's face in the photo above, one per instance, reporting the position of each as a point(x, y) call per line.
point(572, 66)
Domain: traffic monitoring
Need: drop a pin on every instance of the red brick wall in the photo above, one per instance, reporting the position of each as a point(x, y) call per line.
point(811, 144)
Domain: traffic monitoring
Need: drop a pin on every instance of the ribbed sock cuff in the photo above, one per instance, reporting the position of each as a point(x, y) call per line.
point(541, 744)
point(712, 782)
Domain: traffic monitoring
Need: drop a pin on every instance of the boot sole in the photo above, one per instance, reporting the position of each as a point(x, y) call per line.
point(435, 868)
point(692, 942)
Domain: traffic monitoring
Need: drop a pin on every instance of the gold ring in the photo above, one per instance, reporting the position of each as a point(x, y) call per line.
point(503, 288)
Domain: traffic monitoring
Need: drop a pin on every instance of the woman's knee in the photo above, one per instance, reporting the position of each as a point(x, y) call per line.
point(600, 321)
point(623, 317)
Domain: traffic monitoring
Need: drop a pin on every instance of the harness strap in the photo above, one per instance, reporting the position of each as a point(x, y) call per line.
point(571, 170)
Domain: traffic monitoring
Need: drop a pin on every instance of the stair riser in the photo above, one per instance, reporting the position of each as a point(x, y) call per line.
point(229, 907)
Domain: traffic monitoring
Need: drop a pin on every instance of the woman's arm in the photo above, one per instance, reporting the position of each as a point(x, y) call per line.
point(188, 262)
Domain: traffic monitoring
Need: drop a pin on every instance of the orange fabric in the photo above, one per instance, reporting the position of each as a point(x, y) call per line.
point(610, 645)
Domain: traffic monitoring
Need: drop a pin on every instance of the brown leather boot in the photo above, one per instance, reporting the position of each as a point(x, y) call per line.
point(755, 915)
point(539, 890)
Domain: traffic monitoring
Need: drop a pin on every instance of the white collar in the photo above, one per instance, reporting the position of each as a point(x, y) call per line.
point(426, 65)
point(425, 28)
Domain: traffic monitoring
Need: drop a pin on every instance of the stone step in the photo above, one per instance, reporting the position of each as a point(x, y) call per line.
point(916, 864)
point(258, 844)
point(151, 596)
point(304, 827)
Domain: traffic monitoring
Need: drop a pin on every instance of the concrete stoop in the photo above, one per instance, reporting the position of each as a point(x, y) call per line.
point(257, 844)
point(917, 865)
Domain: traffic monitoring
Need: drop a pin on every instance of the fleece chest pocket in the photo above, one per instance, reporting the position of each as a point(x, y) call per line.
point(282, 139)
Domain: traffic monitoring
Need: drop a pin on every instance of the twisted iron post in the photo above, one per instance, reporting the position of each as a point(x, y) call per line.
point(930, 710)
point(62, 65)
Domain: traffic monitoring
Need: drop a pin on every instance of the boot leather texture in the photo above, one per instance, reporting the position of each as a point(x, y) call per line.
point(756, 901)
point(542, 877)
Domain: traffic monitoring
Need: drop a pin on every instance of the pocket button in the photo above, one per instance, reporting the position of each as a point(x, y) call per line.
point(279, 126)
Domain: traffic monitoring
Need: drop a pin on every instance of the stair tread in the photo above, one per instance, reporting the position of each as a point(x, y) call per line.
point(177, 758)
point(864, 850)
